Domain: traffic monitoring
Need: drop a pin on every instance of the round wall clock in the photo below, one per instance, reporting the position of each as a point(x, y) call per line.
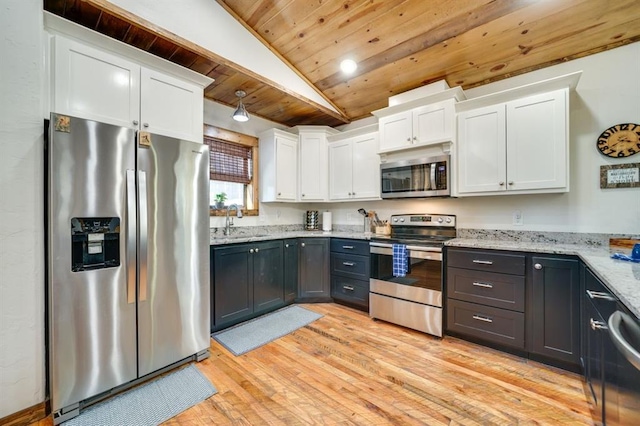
point(621, 140)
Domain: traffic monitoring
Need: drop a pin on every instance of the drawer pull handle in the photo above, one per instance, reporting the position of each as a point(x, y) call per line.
point(600, 295)
point(348, 247)
point(483, 285)
point(347, 287)
point(481, 318)
point(348, 263)
point(483, 262)
point(597, 325)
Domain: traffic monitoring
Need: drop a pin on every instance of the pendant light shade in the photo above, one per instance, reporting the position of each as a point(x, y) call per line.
point(240, 113)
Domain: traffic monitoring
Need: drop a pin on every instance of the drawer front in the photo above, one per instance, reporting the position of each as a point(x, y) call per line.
point(483, 260)
point(350, 290)
point(487, 288)
point(340, 245)
point(348, 265)
point(487, 323)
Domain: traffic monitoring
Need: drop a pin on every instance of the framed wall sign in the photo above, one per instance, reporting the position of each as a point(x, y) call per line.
point(620, 176)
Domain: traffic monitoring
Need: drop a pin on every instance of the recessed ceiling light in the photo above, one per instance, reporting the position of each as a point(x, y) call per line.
point(348, 66)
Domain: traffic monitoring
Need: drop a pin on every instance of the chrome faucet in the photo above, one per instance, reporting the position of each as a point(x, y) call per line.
point(229, 221)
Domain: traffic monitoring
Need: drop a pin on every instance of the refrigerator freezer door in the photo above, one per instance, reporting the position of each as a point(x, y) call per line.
point(92, 328)
point(173, 294)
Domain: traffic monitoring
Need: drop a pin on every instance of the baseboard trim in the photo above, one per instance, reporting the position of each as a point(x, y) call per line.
point(26, 416)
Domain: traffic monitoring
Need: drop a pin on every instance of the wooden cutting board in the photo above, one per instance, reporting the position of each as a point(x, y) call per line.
point(622, 245)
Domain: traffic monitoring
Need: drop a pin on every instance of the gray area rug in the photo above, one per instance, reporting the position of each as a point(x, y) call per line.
point(252, 334)
point(151, 403)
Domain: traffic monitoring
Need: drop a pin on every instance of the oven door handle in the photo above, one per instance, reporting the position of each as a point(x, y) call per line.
point(415, 252)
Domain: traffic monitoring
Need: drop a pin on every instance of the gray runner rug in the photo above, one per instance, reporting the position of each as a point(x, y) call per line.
point(149, 404)
point(252, 334)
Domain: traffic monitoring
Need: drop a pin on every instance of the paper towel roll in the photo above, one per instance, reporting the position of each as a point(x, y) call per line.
point(326, 221)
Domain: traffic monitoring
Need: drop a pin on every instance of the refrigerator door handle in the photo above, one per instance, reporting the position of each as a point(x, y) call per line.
point(130, 246)
point(142, 210)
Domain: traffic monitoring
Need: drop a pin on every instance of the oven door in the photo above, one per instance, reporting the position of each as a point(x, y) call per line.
point(423, 281)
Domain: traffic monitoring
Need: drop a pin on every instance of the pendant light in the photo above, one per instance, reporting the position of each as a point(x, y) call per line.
point(241, 113)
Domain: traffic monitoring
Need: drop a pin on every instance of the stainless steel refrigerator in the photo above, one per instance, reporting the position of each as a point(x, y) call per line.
point(127, 257)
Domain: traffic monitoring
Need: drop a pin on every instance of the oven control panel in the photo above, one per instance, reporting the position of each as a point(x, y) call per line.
point(423, 220)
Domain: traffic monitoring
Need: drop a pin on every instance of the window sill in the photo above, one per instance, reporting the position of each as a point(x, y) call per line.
point(223, 212)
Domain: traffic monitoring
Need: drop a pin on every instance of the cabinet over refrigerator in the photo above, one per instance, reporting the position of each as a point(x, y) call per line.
point(127, 258)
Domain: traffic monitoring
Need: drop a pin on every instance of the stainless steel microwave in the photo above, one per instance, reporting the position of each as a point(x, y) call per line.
point(417, 178)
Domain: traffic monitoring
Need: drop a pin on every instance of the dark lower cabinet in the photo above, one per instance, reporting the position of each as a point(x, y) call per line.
point(247, 281)
point(350, 272)
point(232, 285)
point(524, 303)
point(314, 283)
point(554, 310)
point(291, 260)
point(268, 284)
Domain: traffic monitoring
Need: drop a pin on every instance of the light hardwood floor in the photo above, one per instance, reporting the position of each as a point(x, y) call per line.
point(348, 369)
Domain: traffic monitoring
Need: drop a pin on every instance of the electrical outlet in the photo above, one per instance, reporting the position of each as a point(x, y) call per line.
point(517, 218)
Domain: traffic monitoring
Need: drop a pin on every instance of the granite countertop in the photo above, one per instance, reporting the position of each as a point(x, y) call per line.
point(280, 235)
point(621, 277)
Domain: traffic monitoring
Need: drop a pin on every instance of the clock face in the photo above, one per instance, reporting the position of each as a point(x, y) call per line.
point(621, 140)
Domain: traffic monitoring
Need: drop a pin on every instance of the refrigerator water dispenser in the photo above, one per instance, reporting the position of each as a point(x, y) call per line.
point(95, 243)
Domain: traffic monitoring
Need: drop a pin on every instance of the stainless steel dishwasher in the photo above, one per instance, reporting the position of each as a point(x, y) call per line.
point(623, 406)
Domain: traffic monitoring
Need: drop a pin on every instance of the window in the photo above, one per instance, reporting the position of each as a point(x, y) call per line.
point(233, 166)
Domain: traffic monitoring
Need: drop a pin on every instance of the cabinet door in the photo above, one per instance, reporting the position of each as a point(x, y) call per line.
point(341, 163)
point(314, 268)
point(433, 123)
point(481, 150)
point(537, 141)
point(555, 309)
point(395, 131)
point(95, 85)
point(286, 169)
point(268, 283)
point(233, 284)
point(171, 107)
point(366, 167)
point(313, 167)
point(290, 270)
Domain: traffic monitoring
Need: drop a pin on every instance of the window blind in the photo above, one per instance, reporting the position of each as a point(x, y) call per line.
point(229, 162)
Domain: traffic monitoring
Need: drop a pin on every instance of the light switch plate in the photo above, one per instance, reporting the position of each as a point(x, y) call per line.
point(517, 218)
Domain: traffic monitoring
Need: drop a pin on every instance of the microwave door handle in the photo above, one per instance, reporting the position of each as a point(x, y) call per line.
point(433, 177)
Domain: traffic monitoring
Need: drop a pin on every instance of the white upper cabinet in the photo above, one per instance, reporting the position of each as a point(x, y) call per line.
point(95, 85)
point(170, 107)
point(278, 166)
point(537, 142)
point(365, 175)
point(433, 123)
point(396, 131)
point(418, 123)
point(91, 83)
point(482, 150)
point(313, 165)
point(519, 146)
point(354, 167)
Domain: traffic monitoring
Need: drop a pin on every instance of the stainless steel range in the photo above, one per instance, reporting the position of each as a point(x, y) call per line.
point(410, 294)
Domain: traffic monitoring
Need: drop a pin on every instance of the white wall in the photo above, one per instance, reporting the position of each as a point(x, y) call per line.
point(607, 94)
point(21, 207)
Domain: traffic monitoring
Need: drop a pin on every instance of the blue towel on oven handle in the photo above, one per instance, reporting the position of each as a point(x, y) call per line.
point(400, 260)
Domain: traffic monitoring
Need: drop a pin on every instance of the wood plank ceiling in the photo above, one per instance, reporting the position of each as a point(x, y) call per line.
point(399, 45)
